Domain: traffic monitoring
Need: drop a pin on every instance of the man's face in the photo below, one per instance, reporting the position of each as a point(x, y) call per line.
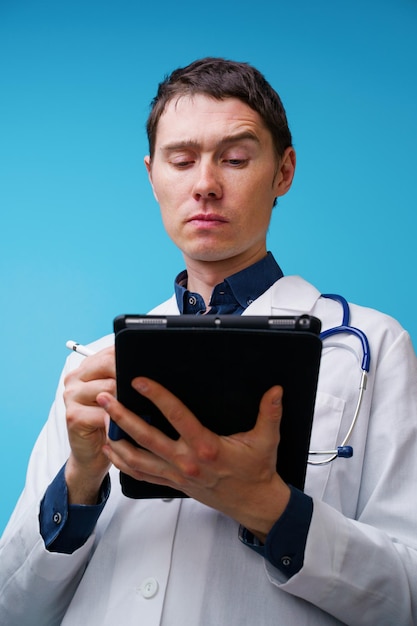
point(215, 175)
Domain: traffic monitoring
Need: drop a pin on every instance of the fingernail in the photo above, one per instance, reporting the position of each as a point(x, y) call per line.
point(140, 385)
point(277, 399)
point(102, 401)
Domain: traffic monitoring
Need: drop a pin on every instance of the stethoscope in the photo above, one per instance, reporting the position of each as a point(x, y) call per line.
point(344, 450)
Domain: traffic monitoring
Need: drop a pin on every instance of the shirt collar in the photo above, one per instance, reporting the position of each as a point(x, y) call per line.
point(244, 286)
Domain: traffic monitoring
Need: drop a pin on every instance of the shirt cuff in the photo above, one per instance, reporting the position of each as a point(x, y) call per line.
point(65, 528)
point(286, 541)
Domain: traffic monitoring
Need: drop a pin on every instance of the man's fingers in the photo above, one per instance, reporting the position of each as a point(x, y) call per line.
point(139, 430)
point(270, 414)
point(179, 416)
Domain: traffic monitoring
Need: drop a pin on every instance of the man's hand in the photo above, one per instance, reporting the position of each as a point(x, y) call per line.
point(86, 424)
point(234, 474)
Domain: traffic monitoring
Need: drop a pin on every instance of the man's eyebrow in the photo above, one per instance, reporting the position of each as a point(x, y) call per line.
point(227, 139)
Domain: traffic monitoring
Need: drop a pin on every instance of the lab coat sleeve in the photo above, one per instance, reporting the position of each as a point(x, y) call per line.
point(364, 570)
point(36, 586)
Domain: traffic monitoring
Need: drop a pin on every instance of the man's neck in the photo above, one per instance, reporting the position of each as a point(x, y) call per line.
point(203, 276)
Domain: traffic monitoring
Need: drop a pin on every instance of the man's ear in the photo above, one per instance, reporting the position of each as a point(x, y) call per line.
point(285, 174)
point(147, 161)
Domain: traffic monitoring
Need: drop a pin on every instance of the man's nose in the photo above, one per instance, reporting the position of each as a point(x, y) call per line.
point(208, 183)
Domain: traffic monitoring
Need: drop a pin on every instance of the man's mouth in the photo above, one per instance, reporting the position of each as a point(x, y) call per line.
point(207, 217)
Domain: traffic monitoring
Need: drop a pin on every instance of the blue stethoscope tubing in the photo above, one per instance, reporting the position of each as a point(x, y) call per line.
point(345, 450)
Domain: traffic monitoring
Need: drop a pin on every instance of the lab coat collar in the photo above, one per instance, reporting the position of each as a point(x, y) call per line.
point(289, 294)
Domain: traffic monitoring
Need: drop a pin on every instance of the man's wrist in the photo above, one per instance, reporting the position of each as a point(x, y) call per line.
point(83, 484)
point(268, 510)
point(285, 544)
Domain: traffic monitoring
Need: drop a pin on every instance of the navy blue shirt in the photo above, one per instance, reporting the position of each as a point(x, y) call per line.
point(65, 528)
point(234, 294)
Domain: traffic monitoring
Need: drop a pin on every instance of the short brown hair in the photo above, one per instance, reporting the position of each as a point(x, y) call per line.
point(220, 78)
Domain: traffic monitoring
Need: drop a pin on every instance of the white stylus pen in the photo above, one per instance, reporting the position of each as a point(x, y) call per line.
point(78, 347)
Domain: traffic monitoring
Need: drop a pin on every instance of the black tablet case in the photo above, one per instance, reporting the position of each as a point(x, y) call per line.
point(220, 366)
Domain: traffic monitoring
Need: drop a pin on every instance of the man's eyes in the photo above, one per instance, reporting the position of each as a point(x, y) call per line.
point(181, 164)
point(234, 162)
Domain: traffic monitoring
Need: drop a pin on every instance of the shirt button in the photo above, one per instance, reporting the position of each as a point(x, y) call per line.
point(249, 301)
point(192, 300)
point(57, 518)
point(149, 587)
point(286, 561)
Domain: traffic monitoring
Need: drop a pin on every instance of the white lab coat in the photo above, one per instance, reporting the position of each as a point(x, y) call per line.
point(180, 563)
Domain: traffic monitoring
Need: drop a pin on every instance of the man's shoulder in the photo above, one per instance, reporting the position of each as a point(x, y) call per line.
point(165, 308)
point(169, 307)
point(103, 342)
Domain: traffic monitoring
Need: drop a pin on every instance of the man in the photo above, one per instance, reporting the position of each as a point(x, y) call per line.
point(245, 547)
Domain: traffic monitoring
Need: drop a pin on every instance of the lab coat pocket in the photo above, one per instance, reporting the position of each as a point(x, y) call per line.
point(325, 435)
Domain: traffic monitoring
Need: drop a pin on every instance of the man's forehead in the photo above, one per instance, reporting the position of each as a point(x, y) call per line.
point(191, 116)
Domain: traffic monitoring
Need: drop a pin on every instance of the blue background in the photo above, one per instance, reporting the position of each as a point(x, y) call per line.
point(81, 236)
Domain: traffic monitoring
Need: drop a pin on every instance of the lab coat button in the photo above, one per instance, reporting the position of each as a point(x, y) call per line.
point(149, 587)
point(57, 518)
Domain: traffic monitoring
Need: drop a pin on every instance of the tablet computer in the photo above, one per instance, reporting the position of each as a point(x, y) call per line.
point(220, 366)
